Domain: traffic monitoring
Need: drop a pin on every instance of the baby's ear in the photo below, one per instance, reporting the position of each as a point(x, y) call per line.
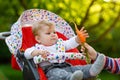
point(37, 38)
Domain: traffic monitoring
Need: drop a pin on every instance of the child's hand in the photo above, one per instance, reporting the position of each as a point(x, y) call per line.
point(82, 35)
point(91, 51)
point(44, 53)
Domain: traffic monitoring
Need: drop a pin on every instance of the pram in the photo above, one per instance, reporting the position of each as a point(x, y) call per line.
point(21, 38)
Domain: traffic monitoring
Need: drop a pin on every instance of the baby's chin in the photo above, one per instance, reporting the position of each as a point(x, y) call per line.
point(51, 44)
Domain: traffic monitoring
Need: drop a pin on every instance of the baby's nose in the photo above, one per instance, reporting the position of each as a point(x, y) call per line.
point(52, 34)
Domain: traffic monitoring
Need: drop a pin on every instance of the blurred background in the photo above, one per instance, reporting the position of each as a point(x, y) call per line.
point(101, 18)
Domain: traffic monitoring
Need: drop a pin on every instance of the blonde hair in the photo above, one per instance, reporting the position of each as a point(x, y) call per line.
point(39, 24)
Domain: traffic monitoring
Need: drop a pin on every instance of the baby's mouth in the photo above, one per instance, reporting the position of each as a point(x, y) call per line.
point(53, 39)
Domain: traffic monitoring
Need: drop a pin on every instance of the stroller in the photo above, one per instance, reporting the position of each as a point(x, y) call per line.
point(20, 38)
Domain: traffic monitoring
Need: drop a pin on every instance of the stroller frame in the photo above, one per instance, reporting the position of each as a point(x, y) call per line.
point(29, 69)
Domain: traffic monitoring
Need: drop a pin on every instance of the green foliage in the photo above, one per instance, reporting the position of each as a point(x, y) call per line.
point(100, 18)
point(7, 73)
point(4, 52)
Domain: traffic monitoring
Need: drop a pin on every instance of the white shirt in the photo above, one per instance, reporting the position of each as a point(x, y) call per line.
point(68, 44)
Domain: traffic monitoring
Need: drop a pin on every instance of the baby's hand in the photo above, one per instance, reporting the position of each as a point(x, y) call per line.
point(82, 35)
point(44, 53)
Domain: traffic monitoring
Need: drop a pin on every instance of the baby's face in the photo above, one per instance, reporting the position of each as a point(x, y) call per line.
point(47, 36)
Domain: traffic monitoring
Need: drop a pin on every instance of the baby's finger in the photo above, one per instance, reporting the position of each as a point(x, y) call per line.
point(85, 31)
point(82, 29)
point(44, 55)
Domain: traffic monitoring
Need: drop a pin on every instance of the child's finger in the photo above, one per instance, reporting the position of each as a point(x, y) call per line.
point(86, 45)
point(82, 29)
point(84, 54)
point(82, 48)
point(85, 31)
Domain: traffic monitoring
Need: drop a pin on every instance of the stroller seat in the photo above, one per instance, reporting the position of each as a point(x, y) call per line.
point(22, 38)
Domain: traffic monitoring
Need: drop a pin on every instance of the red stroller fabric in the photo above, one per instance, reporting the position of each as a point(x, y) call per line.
point(28, 41)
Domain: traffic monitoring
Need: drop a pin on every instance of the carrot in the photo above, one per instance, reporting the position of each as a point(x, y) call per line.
point(82, 39)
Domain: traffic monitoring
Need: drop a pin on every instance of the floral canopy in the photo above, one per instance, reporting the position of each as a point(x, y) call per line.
point(14, 41)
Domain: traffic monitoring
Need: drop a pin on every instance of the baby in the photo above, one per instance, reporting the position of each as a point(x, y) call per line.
point(48, 43)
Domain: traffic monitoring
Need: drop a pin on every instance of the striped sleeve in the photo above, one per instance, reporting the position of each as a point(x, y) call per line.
point(113, 65)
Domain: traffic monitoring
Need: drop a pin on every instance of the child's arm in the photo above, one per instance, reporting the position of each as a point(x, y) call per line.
point(72, 55)
point(111, 64)
point(76, 41)
point(58, 56)
point(38, 52)
point(31, 52)
point(92, 53)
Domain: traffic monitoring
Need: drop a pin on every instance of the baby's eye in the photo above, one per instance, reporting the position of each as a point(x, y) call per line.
point(48, 33)
point(54, 32)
